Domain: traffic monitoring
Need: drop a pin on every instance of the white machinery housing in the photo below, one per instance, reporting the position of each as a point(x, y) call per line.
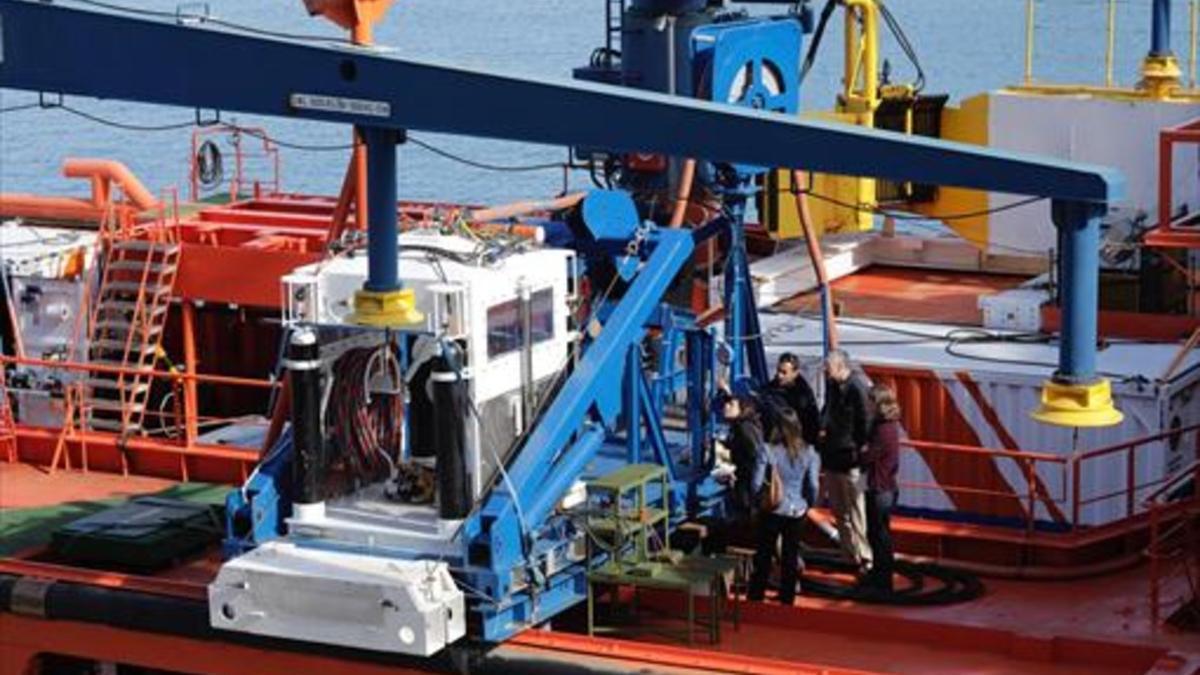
point(364, 570)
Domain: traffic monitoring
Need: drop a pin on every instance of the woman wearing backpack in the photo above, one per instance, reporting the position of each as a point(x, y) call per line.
point(785, 478)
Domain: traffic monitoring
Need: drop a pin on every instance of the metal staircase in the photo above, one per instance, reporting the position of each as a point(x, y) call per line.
point(126, 333)
point(1174, 550)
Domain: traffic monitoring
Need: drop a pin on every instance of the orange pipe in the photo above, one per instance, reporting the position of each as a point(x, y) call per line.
point(685, 193)
point(191, 426)
point(108, 170)
point(818, 259)
point(20, 205)
point(517, 209)
point(359, 159)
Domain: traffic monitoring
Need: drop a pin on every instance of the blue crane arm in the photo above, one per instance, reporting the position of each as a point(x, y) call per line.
point(166, 63)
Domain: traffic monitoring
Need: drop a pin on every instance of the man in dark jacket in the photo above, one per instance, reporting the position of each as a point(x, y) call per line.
point(843, 439)
point(790, 389)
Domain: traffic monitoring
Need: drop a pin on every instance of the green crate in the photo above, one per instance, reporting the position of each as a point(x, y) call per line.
point(144, 533)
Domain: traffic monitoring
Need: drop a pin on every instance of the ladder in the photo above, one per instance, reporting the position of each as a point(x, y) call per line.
point(126, 333)
point(8, 426)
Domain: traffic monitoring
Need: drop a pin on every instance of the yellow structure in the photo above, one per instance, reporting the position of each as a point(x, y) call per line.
point(1078, 405)
point(856, 104)
point(389, 309)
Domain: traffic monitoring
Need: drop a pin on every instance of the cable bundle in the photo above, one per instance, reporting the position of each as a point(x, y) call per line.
point(367, 427)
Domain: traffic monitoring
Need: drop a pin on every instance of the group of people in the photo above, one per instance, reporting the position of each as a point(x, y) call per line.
point(781, 442)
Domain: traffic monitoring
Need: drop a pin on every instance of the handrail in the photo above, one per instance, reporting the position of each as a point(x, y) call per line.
point(1157, 507)
point(1187, 78)
point(1070, 490)
point(201, 378)
point(1191, 471)
point(983, 450)
point(1117, 447)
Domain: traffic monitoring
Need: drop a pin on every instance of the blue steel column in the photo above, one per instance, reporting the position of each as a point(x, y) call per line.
point(735, 295)
point(1079, 224)
point(633, 404)
point(383, 268)
point(1160, 28)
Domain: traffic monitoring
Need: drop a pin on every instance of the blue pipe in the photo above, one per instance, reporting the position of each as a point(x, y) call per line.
point(1160, 28)
point(383, 238)
point(1079, 254)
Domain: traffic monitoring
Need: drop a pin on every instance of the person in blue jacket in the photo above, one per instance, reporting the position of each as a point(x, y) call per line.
point(798, 468)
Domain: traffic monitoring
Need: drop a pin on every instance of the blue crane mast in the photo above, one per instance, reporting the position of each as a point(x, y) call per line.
point(504, 543)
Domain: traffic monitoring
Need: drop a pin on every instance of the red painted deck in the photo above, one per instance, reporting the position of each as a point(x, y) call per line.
point(938, 296)
point(1098, 625)
point(23, 486)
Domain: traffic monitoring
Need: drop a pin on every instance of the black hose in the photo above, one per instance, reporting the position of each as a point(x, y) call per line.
point(818, 34)
point(181, 617)
point(925, 584)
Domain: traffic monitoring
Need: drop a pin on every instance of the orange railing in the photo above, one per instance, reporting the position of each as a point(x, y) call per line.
point(1054, 480)
point(177, 427)
point(1174, 549)
point(1030, 463)
point(242, 157)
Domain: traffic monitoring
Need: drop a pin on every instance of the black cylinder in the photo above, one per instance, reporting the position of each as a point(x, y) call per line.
point(450, 412)
point(308, 445)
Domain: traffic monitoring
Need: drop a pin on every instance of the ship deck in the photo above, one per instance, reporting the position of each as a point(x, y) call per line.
point(1099, 624)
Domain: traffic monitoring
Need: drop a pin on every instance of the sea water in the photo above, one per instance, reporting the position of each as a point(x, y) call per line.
point(965, 46)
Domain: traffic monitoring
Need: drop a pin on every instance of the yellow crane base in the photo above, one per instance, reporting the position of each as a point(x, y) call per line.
point(1078, 405)
point(386, 309)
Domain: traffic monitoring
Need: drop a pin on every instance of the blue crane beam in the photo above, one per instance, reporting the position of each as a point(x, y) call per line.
point(165, 63)
point(44, 47)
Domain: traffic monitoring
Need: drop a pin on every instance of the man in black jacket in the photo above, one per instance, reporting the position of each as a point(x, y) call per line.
point(790, 389)
point(843, 439)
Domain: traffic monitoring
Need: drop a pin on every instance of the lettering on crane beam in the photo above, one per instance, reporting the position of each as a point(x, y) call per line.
point(341, 104)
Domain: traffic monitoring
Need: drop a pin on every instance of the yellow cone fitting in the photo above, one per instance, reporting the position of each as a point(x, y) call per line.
point(386, 309)
point(1078, 405)
point(1160, 76)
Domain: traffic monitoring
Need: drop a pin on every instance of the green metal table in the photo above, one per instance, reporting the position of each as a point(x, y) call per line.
point(694, 576)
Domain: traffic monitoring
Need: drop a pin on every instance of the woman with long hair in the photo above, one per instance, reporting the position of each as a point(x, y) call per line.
point(883, 463)
point(743, 441)
point(786, 478)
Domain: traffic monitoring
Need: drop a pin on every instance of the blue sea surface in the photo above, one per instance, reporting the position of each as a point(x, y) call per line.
point(966, 46)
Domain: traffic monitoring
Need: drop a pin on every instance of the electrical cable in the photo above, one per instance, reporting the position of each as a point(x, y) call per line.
point(293, 145)
point(18, 108)
point(897, 31)
point(445, 154)
point(954, 342)
point(366, 428)
point(127, 126)
point(899, 215)
point(922, 221)
point(818, 34)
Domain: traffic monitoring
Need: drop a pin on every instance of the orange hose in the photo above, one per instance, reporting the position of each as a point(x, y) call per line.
point(517, 209)
point(818, 259)
point(684, 195)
